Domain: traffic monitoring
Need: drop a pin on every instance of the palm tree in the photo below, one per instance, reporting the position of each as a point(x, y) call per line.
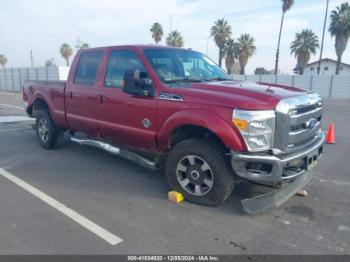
point(305, 44)
point(81, 45)
point(286, 5)
point(230, 52)
point(3, 61)
point(246, 48)
point(175, 39)
point(340, 28)
point(157, 32)
point(84, 46)
point(50, 62)
point(221, 31)
point(66, 51)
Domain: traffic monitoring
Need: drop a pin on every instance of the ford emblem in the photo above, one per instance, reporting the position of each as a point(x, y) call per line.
point(311, 123)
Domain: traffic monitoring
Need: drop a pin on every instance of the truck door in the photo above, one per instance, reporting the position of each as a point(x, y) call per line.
point(82, 95)
point(125, 119)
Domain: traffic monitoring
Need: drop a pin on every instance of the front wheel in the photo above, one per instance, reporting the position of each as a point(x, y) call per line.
point(199, 171)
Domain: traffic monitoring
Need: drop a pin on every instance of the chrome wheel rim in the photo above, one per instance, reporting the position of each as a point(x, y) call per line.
point(43, 130)
point(195, 175)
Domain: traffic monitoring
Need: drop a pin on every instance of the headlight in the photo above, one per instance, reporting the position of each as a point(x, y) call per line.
point(256, 127)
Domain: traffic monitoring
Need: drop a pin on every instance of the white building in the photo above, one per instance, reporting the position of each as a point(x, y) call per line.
point(328, 67)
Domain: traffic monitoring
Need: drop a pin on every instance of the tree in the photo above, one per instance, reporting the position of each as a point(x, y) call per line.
point(221, 31)
point(175, 39)
point(340, 28)
point(286, 5)
point(231, 52)
point(246, 48)
point(305, 44)
point(66, 51)
point(3, 61)
point(262, 71)
point(79, 45)
point(157, 32)
point(50, 62)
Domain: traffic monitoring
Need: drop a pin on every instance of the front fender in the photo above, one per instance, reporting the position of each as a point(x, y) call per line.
point(228, 134)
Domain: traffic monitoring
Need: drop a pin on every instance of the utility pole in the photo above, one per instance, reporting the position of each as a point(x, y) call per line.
point(31, 59)
point(324, 29)
point(207, 45)
point(278, 45)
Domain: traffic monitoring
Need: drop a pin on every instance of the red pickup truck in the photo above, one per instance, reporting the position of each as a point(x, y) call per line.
point(175, 108)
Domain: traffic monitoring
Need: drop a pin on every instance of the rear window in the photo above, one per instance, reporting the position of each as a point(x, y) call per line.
point(87, 68)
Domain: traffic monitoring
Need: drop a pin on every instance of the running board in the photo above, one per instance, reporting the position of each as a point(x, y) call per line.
point(131, 156)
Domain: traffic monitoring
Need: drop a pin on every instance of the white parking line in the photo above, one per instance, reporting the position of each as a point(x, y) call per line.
point(15, 129)
point(83, 221)
point(10, 119)
point(17, 107)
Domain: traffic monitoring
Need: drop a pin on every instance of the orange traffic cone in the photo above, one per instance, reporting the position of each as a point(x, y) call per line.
point(330, 138)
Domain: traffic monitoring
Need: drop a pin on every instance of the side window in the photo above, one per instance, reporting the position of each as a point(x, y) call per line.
point(87, 68)
point(119, 62)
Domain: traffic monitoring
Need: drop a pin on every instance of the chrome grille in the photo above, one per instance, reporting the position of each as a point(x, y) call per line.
point(298, 121)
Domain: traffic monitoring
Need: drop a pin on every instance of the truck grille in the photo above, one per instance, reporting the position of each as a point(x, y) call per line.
point(298, 121)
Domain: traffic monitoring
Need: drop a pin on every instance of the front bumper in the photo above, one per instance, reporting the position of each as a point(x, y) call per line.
point(273, 169)
point(275, 198)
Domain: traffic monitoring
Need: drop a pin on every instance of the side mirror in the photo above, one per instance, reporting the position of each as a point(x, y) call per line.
point(138, 83)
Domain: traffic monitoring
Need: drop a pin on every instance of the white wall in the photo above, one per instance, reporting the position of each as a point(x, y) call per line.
point(337, 86)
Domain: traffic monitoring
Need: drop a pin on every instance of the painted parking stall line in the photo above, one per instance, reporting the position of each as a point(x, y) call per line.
point(11, 119)
point(14, 129)
point(81, 220)
point(17, 107)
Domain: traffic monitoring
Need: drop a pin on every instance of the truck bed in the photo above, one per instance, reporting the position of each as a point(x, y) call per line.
point(52, 92)
point(55, 83)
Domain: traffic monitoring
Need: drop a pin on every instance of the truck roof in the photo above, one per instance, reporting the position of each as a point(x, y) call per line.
point(136, 46)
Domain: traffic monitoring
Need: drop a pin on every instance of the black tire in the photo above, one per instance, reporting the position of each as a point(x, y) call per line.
point(222, 184)
point(49, 136)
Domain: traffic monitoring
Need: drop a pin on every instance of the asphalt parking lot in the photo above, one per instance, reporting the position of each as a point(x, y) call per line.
point(131, 202)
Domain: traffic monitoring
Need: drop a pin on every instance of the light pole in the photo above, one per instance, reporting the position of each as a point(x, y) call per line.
point(324, 28)
point(31, 59)
point(207, 45)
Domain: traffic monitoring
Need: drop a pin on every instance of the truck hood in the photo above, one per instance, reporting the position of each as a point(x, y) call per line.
point(238, 94)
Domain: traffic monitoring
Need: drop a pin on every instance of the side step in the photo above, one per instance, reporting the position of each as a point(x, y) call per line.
point(133, 157)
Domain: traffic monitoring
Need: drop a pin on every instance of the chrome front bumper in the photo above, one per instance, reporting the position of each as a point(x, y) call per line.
point(277, 168)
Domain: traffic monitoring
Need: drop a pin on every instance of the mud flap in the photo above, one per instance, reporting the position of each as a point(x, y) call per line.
point(276, 198)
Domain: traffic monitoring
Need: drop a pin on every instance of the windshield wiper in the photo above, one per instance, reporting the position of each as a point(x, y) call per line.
point(218, 79)
point(185, 79)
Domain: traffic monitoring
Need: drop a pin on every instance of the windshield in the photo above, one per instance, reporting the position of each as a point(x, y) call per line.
point(179, 65)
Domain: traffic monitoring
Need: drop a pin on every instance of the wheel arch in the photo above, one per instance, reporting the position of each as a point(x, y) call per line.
point(193, 123)
point(39, 102)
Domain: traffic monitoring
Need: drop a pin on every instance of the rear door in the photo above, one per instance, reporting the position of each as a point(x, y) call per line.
point(82, 96)
point(126, 119)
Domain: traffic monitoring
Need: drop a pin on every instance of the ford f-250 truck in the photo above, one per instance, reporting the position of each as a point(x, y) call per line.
point(175, 108)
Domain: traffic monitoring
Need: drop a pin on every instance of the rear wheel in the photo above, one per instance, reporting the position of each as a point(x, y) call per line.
point(48, 135)
point(199, 171)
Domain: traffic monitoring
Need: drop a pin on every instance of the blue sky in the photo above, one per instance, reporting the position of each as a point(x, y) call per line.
point(43, 25)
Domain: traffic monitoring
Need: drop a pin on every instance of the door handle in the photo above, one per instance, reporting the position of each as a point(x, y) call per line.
point(101, 99)
point(70, 95)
